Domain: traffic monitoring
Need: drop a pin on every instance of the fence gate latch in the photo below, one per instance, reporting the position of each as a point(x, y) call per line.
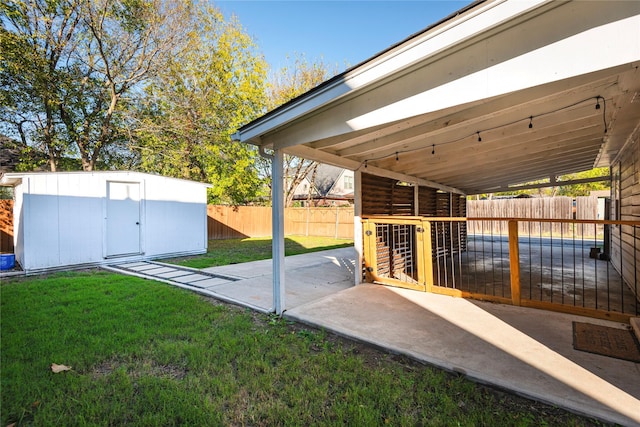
point(419, 230)
point(368, 233)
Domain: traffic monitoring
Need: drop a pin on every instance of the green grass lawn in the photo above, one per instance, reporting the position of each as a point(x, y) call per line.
point(146, 353)
point(233, 251)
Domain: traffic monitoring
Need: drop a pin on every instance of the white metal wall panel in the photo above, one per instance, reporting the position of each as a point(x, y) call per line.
point(41, 232)
point(179, 210)
point(79, 218)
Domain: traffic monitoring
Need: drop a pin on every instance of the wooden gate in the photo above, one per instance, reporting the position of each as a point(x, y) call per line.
point(395, 252)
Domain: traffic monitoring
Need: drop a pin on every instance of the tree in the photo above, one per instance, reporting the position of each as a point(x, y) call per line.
point(76, 60)
point(586, 188)
point(572, 190)
point(292, 81)
point(35, 38)
point(187, 113)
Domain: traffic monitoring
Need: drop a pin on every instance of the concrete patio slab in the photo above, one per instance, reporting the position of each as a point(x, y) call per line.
point(173, 274)
point(133, 264)
point(212, 282)
point(245, 270)
point(192, 279)
point(308, 277)
point(159, 270)
point(143, 267)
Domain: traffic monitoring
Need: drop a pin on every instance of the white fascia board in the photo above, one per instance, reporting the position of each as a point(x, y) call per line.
point(449, 34)
point(11, 179)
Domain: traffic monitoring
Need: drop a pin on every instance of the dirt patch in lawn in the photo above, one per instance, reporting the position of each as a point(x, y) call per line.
point(140, 368)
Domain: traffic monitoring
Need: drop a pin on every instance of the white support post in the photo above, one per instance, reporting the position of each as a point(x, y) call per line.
point(357, 225)
point(277, 231)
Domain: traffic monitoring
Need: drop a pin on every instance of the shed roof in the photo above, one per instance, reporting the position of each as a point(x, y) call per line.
point(498, 94)
point(13, 178)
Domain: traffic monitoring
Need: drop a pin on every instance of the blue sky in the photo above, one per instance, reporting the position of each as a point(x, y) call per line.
point(340, 33)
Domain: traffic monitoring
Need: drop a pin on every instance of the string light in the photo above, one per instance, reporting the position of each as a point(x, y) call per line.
point(604, 111)
point(479, 138)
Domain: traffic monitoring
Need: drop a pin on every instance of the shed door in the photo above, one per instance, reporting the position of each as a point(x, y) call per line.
point(123, 218)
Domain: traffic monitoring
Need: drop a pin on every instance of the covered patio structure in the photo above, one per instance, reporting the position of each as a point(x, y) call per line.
point(499, 94)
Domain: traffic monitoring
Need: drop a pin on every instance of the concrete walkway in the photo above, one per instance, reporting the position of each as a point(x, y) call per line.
point(308, 277)
point(526, 351)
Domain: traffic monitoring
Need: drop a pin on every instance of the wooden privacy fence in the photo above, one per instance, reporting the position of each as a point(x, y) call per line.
point(6, 226)
point(229, 222)
point(232, 222)
point(336, 222)
point(561, 208)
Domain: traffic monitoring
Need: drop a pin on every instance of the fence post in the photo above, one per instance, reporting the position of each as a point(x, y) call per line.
point(514, 262)
point(428, 257)
point(308, 215)
point(370, 253)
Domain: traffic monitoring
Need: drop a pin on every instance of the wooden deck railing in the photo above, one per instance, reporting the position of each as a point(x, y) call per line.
point(585, 267)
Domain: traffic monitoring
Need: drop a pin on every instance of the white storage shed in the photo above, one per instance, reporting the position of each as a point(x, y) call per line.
point(75, 218)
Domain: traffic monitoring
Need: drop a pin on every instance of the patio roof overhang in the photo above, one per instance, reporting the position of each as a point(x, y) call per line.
point(501, 93)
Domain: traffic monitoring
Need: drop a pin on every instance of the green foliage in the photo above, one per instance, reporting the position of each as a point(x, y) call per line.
point(67, 66)
point(586, 188)
point(20, 157)
point(6, 193)
point(187, 114)
point(572, 190)
point(33, 38)
point(293, 80)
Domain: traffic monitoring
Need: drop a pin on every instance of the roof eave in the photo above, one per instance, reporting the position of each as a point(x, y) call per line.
point(332, 89)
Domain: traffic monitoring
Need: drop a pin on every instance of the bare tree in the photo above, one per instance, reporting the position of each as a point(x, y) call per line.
point(286, 84)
